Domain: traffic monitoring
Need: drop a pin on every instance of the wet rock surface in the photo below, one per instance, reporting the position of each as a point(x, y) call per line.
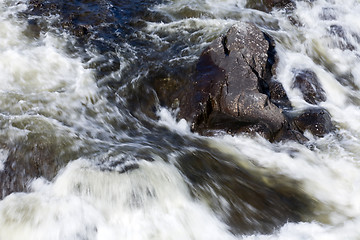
point(278, 95)
point(315, 120)
point(309, 85)
point(231, 84)
point(269, 5)
point(89, 18)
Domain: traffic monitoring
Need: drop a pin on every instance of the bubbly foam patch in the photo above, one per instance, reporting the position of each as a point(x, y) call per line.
point(86, 202)
point(168, 119)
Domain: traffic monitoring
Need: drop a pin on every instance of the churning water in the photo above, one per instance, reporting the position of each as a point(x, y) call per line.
point(90, 154)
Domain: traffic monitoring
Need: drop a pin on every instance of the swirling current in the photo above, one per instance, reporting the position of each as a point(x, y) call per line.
point(89, 150)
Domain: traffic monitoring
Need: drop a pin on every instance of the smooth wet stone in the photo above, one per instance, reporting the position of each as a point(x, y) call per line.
point(316, 120)
point(309, 85)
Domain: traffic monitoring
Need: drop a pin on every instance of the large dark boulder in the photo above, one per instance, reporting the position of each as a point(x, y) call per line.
point(231, 88)
point(234, 91)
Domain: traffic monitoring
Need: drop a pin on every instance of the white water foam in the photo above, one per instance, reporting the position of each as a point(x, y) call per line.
point(46, 91)
point(151, 202)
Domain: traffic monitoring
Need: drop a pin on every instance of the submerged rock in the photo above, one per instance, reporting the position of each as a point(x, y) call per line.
point(248, 200)
point(343, 41)
point(328, 14)
point(25, 163)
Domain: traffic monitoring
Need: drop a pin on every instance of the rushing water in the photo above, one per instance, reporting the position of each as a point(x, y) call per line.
point(90, 153)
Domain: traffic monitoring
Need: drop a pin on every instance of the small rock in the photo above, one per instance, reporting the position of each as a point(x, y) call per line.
point(315, 120)
point(309, 85)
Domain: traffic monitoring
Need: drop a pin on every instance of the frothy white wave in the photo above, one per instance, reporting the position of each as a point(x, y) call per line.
point(47, 89)
point(151, 202)
point(168, 119)
point(328, 172)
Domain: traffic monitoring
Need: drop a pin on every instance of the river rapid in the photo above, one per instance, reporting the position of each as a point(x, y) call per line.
point(87, 151)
